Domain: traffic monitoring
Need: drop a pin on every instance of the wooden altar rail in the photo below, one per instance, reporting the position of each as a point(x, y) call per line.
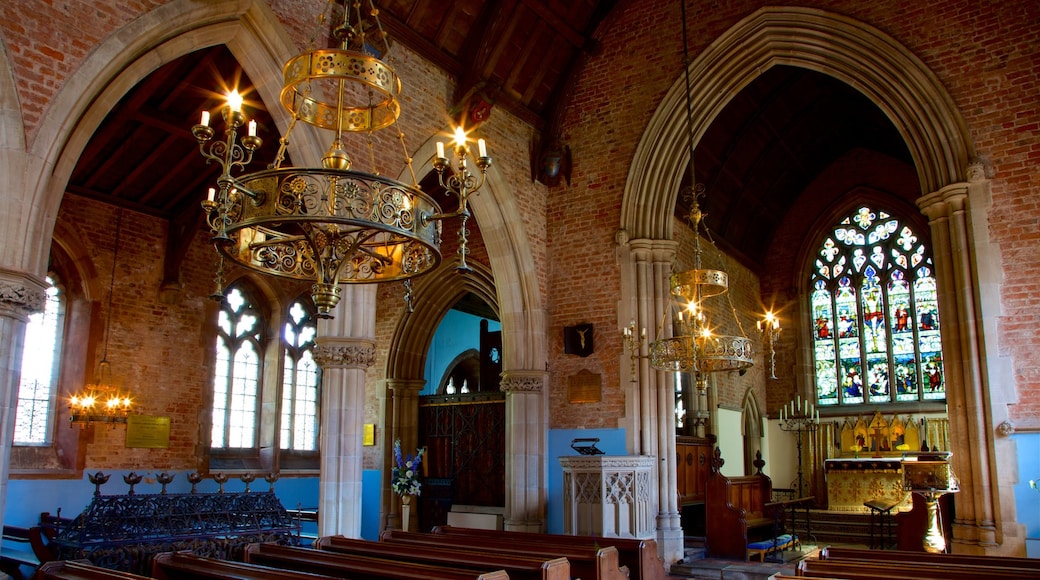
point(518, 567)
point(638, 555)
point(356, 567)
point(587, 562)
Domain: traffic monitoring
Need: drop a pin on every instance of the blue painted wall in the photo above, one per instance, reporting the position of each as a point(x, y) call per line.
point(1027, 499)
point(457, 333)
point(611, 442)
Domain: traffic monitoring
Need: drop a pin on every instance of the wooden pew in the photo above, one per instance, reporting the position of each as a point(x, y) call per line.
point(833, 553)
point(639, 555)
point(908, 570)
point(588, 563)
point(735, 511)
point(519, 567)
point(357, 567)
point(188, 566)
point(80, 570)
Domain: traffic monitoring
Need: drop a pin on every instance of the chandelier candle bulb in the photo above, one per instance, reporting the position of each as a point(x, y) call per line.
point(211, 194)
point(440, 150)
point(252, 128)
point(482, 148)
point(234, 101)
point(205, 118)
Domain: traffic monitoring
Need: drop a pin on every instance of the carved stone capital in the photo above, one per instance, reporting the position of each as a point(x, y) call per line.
point(21, 295)
point(523, 381)
point(345, 355)
point(1006, 428)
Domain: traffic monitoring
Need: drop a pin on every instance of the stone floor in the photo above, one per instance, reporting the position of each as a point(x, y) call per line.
point(696, 566)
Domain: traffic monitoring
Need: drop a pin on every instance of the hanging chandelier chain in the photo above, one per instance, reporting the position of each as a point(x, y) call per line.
point(112, 283)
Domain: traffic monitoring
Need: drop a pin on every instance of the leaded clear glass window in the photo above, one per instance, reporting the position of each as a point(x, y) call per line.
point(237, 375)
point(300, 380)
point(875, 314)
point(40, 362)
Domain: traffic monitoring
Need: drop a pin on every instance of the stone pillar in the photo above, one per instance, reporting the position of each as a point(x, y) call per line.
point(967, 395)
point(20, 296)
point(526, 429)
point(345, 352)
point(651, 264)
point(403, 425)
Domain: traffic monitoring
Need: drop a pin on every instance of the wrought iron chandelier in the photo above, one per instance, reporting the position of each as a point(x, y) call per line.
point(332, 224)
point(695, 346)
point(102, 401)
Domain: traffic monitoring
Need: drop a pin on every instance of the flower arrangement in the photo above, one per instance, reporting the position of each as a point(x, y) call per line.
point(404, 477)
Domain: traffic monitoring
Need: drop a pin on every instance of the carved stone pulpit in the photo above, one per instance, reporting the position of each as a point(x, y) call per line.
point(608, 496)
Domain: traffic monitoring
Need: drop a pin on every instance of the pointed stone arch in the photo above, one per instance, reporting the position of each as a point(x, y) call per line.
point(852, 51)
point(751, 429)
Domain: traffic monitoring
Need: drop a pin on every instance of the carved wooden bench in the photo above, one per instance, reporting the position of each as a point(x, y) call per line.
point(736, 512)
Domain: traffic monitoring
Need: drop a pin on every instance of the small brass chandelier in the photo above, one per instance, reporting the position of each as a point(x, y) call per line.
point(101, 401)
point(695, 346)
point(331, 224)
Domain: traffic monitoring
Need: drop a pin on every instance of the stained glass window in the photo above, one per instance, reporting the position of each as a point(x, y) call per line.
point(40, 355)
point(300, 381)
point(875, 314)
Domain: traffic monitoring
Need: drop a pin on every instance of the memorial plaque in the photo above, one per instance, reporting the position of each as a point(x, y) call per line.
point(585, 387)
point(148, 432)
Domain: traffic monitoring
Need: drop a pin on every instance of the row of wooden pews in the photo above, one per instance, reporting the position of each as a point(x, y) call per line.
point(447, 554)
point(859, 564)
point(639, 556)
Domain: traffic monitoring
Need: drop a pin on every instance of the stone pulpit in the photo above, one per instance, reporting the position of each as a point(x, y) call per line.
point(608, 496)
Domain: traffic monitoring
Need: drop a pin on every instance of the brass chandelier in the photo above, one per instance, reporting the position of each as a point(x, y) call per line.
point(331, 224)
point(695, 346)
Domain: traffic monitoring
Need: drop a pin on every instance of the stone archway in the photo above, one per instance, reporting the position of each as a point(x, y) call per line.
point(925, 115)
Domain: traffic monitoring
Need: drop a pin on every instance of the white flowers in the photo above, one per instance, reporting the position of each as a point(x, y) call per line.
point(404, 477)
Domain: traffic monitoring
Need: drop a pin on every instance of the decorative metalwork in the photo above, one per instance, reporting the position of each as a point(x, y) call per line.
point(331, 224)
point(770, 329)
point(799, 417)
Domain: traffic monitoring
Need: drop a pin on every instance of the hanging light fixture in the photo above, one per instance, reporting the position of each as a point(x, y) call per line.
point(101, 401)
point(696, 347)
point(331, 224)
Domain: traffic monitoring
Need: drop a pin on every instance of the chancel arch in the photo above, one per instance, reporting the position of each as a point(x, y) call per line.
point(954, 190)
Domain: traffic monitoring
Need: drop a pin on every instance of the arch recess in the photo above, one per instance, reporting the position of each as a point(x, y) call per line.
point(862, 56)
point(251, 32)
point(434, 295)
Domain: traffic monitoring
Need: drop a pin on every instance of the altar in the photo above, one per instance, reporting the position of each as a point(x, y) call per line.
point(852, 482)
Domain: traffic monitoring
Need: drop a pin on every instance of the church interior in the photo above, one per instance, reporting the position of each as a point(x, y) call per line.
point(289, 246)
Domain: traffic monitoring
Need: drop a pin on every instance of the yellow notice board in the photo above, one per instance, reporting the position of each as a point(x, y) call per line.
point(148, 432)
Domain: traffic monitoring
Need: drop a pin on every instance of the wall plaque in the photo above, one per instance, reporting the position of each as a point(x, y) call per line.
point(585, 387)
point(148, 432)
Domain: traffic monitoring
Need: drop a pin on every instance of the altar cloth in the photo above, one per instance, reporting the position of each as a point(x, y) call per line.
point(853, 482)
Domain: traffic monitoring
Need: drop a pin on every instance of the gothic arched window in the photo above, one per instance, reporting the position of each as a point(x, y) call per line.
point(875, 314)
point(237, 374)
point(300, 380)
point(41, 356)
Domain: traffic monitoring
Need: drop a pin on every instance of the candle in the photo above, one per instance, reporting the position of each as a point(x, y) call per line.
point(482, 147)
point(211, 195)
point(781, 414)
point(440, 150)
point(252, 128)
point(234, 101)
point(205, 118)
point(460, 137)
point(643, 334)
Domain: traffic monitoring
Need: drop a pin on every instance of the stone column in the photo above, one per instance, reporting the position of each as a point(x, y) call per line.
point(526, 428)
point(967, 395)
point(20, 296)
point(403, 425)
point(345, 352)
point(651, 263)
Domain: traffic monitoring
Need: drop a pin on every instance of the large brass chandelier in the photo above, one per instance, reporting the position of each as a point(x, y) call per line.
point(330, 224)
point(696, 347)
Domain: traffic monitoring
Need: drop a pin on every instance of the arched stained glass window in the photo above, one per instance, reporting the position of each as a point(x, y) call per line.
point(300, 380)
point(875, 314)
point(237, 375)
